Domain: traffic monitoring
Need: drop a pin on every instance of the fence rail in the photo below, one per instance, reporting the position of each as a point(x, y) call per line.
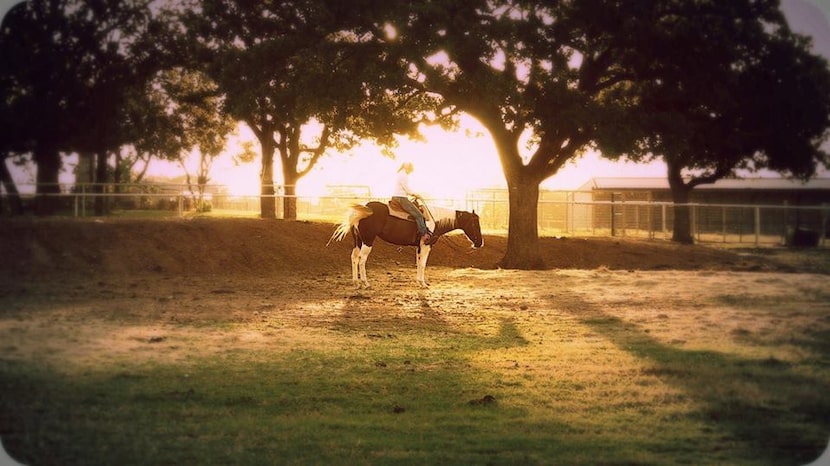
point(559, 213)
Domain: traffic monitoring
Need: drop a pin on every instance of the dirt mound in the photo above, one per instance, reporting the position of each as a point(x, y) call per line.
point(256, 246)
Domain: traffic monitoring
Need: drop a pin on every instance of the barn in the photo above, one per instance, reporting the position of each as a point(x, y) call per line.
point(768, 207)
point(746, 191)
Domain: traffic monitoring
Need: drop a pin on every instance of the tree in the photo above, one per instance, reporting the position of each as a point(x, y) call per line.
point(31, 86)
point(7, 184)
point(626, 77)
point(742, 93)
point(193, 122)
point(551, 70)
point(291, 68)
point(67, 65)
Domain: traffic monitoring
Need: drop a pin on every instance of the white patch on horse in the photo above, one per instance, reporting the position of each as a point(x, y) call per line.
point(359, 263)
point(442, 217)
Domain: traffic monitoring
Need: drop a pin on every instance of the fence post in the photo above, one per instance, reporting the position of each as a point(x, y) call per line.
point(624, 217)
point(569, 226)
point(757, 225)
point(694, 227)
point(637, 217)
point(650, 213)
point(723, 222)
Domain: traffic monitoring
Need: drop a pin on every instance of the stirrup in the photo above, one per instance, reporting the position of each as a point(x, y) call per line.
point(429, 238)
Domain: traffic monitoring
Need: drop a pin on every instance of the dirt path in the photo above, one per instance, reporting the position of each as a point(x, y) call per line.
point(90, 292)
point(174, 319)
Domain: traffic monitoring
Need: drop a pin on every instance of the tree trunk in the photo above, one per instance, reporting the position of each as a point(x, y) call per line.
point(12, 194)
point(100, 181)
point(267, 201)
point(289, 202)
point(682, 231)
point(48, 162)
point(523, 230)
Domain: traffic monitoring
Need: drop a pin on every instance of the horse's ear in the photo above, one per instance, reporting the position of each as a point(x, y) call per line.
point(474, 211)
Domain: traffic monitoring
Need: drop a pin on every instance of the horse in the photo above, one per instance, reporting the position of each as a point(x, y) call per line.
point(375, 220)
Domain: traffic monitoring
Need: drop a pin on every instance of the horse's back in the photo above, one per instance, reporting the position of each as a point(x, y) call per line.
point(388, 227)
point(378, 207)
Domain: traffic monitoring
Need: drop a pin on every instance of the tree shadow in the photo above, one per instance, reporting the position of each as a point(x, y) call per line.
point(782, 415)
point(382, 400)
point(417, 312)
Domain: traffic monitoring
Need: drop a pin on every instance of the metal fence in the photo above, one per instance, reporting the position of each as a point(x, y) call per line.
point(560, 213)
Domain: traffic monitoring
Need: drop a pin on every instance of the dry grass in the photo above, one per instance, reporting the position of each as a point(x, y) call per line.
point(580, 367)
point(243, 342)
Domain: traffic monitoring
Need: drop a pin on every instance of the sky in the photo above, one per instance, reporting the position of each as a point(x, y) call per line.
point(448, 164)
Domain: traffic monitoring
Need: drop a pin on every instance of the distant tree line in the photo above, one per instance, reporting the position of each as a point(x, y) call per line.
point(708, 86)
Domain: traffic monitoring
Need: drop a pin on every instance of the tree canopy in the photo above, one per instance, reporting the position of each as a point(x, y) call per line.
point(742, 93)
point(703, 84)
point(68, 66)
point(556, 71)
point(709, 86)
point(294, 68)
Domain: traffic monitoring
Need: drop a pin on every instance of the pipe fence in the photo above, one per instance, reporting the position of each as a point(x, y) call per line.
point(571, 213)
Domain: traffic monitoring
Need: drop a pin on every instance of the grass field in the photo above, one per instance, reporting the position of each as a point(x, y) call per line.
point(592, 367)
point(487, 366)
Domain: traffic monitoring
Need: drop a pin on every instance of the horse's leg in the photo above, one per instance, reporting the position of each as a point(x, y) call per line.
point(421, 256)
point(355, 261)
point(364, 252)
point(358, 243)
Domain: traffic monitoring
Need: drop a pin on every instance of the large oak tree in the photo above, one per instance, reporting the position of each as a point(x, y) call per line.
point(288, 69)
point(708, 85)
point(68, 66)
point(729, 87)
point(551, 72)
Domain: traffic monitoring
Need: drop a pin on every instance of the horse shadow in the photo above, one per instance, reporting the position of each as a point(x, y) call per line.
point(787, 419)
point(386, 316)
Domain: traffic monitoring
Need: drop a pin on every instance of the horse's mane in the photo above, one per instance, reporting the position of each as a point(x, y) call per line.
point(443, 217)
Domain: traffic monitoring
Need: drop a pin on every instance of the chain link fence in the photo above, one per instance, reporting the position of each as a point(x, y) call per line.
point(560, 213)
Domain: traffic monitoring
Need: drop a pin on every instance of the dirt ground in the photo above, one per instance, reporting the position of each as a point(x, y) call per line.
point(82, 290)
point(122, 249)
point(78, 295)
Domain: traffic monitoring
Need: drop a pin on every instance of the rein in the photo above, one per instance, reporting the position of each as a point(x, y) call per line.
point(453, 244)
point(429, 212)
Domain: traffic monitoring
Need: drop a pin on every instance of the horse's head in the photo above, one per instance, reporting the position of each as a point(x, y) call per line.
point(469, 223)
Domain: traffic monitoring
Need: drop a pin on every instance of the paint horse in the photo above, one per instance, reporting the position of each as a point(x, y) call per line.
point(377, 220)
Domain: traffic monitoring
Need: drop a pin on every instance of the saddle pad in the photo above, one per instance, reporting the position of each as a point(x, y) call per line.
point(396, 210)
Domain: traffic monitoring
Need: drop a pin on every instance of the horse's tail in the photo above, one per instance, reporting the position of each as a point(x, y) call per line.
point(357, 213)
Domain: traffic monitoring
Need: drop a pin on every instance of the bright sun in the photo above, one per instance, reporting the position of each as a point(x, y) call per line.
point(447, 166)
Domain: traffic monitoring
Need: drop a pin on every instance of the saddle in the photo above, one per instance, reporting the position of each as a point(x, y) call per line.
point(396, 210)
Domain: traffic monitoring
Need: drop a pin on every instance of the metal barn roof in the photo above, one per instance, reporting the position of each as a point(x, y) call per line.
point(766, 184)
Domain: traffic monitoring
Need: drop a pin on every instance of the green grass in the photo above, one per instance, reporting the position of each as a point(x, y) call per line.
point(307, 408)
point(378, 408)
point(565, 379)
